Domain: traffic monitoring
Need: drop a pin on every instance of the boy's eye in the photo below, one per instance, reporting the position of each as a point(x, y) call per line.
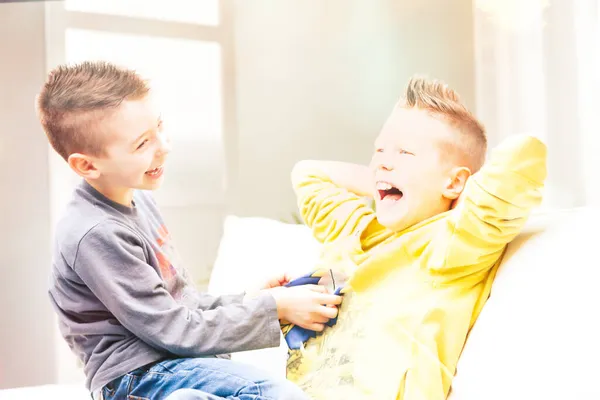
point(142, 144)
point(379, 150)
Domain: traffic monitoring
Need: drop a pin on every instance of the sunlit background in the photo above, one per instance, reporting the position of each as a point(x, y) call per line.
point(249, 87)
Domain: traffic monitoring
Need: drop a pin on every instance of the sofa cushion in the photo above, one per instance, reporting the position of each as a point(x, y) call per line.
point(251, 251)
point(537, 336)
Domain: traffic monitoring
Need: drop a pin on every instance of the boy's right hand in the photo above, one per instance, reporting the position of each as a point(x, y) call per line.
point(308, 306)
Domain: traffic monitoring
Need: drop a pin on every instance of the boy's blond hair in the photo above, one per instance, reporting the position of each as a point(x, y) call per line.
point(440, 101)
point(76, 98)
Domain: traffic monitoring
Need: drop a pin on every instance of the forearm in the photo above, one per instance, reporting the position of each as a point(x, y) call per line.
point(353, 177)
point(249, 325)
point(509, 186)
point(210, 302)
point(331, 197)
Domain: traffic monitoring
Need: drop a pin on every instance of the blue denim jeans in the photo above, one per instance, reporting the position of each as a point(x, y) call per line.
point(208, 379)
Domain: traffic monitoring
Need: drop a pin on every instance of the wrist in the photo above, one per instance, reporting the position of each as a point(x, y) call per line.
point(251, 294)
point(279, 304)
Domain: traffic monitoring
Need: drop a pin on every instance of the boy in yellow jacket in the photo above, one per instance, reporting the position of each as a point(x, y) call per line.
point(420, 267)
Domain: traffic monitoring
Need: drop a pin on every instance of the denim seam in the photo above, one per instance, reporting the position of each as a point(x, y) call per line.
point(165, 373)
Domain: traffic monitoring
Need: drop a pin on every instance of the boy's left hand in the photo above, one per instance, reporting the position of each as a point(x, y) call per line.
point(276, 281)
point(279, 280)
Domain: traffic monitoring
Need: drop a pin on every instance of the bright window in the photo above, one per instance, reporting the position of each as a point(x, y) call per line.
point(203, 12)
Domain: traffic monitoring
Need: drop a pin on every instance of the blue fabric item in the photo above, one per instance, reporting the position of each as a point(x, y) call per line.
point(308, 279)
point(297, 336)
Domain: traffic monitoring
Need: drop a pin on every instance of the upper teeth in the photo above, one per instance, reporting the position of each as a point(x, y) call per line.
point(383, 186)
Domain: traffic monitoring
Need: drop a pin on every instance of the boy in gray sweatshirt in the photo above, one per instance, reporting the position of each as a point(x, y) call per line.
point(125, 305)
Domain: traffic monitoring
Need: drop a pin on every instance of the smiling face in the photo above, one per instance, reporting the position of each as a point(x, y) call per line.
point(413, 180)
point(136, 150)
point(101, 119)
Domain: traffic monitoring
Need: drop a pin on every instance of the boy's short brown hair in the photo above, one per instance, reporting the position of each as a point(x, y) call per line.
point(442, 102)
point(75, 99)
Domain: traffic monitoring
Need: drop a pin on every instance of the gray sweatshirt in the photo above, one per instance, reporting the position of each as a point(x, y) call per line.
point(123, 298)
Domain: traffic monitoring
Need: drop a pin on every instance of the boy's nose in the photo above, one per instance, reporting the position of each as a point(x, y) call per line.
point(384, 166)
point(382, 162)
point(164, 143)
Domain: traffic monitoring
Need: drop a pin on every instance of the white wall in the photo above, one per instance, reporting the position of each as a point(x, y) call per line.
point(26, 337)
point(317, 79)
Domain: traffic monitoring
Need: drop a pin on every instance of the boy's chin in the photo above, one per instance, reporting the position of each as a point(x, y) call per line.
point(151, 185)
point(393, 221)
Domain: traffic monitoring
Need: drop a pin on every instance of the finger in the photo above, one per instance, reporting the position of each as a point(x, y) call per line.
point(315, 327)
point(321, 319)
point(317, 288)
point(327, 312)
point(280, 280)
point(284, 280)
point(330, 299)
point(271, 283)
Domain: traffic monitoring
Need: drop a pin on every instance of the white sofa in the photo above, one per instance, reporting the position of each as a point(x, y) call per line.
point(538, 336)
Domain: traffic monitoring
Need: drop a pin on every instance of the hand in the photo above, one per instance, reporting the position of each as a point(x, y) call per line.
point(355, 178)
point(280, 280)
point(308, 306)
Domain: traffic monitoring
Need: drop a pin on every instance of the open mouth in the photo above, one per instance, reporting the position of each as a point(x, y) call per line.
point(388, 192)
point(155, 172)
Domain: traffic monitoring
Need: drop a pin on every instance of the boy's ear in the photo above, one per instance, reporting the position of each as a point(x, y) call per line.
point(83, 166)
point(456, 183)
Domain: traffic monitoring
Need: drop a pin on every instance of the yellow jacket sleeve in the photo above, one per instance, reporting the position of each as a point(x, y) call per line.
point(330, 211)
point(495, 205)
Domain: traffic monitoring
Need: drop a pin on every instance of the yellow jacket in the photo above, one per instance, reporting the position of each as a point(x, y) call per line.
point(414, 294)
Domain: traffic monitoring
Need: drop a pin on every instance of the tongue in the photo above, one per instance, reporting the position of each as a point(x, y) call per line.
point(393, 197)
